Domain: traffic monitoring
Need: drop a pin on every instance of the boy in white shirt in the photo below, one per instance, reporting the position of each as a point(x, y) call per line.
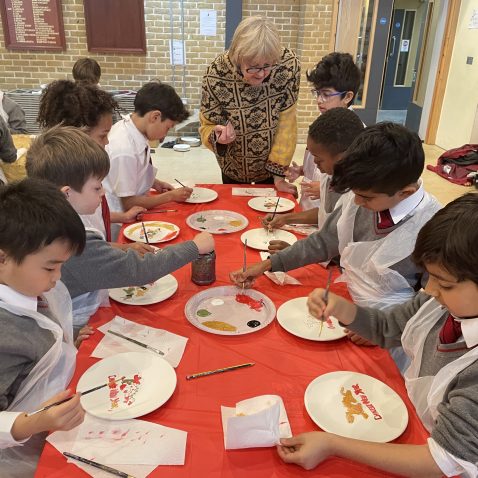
point(37, 354)
point(157, 108)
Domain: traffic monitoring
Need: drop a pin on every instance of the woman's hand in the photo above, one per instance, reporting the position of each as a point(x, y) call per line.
point(225, 134)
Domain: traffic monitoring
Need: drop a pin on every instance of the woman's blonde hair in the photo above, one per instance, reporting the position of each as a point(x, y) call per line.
point(255, 38)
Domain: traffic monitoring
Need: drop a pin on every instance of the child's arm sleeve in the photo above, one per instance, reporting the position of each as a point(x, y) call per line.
point(6, 423)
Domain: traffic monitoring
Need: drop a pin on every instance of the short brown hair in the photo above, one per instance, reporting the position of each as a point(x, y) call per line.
point(66, 156)
point(87, 70)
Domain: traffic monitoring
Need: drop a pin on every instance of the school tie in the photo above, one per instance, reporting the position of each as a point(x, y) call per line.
point(147, 155)
point(384, 219)
point(451, 331)
point(105, 213)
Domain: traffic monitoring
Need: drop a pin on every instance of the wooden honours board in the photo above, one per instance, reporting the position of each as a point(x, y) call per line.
point(33, 24)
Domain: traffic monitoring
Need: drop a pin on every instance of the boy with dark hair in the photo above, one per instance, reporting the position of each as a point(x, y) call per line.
point(37, 353)
point(87, 70)
point(329, 136)
point(157, 108)
point(77, 165)
point(336, 80)
point(375, 227)
point(439, 332)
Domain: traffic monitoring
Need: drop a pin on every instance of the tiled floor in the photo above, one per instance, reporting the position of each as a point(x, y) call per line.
point(199, 166)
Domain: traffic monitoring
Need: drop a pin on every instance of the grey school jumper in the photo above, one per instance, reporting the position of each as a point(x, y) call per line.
point(102, 266)
point(457, 423)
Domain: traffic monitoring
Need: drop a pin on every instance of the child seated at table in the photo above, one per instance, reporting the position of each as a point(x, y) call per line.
point(329, 136)
point(76, 164)
point(375, 226)
point(336, 80)
point(8, 152)
point(39, 231)
point(87, 71)
point(157, 108)
point(88, 107)
point(439, 332)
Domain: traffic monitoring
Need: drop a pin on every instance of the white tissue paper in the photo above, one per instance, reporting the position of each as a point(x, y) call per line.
point(256, 422)
point(279, 278)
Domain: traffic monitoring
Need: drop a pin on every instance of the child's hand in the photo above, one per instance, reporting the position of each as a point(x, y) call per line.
point(293, 172)
point(66, 416)
point(225, 134)
point(278, 221)
point(180, 194)
point(276, 246)
point(205, 242)
point(340, 308)
point(306, 450)
point(162, 186)
point(311, 189)
point(282, 185)
point(246, 278)
point(83, 334)
point(132, 214)
point(139, 247)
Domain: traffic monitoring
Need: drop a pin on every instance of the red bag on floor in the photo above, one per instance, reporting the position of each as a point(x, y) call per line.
point(459, 165)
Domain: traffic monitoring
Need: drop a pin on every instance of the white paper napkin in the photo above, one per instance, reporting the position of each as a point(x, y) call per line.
point(256, 422)
point(136, 447)
point(21, 152)
point(279, 278)
point(172, 345)
point(261, 192)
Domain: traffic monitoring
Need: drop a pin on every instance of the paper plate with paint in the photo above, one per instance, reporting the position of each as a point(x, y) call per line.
point(157, 231)
point(294, 317)
point(355, 405)
point(260, 238)
point(229, 310)
point(201, 195)
point(217, 221)
point(147, 294)
point(268, 204)
point(138, 383)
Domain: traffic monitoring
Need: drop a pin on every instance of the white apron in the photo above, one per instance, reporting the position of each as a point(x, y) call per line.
point(324, 186)
point(49, 376)
point(426, 393)
point(370, 280)
point(311, 173)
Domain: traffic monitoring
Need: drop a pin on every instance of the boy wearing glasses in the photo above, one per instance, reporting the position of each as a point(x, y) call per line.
point(335, 80)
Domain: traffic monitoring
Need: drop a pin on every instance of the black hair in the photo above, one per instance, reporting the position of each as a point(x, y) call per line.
point(74, 104)
point(33, 214)
point(336, 129)
point(87, 71)
point(384, 158)
point(338, 71)
point(449, 239)
point(160, 96)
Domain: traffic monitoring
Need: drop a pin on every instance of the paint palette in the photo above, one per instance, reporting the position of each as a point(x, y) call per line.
point(268, 204)
point(229, 310)
point(138, 383)
point(157, 231)
point(217, 221)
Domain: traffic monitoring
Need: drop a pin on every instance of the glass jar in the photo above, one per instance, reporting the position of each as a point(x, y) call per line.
point(203, 269)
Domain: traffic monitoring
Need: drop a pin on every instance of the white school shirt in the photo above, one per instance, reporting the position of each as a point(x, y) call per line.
point(131, 173)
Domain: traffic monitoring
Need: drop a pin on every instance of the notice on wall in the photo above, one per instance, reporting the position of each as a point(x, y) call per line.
point(404, 45)
point(33, 24)
point(473, 20)
point(207, 22)
point(177, 52)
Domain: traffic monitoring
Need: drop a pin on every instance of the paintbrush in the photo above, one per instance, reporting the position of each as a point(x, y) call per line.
point(244, 262)
point(65, 400)
point(145, 234)
point(275, 209)
point(137, 342)
point(106, 468)
point(326, 297)
point(179, 182)
point(219, 370)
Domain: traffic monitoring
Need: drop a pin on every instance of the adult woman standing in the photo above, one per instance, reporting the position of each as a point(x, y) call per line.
point(248, 107)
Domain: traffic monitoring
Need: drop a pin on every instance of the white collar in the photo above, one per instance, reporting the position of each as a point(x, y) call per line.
point(405, 207)
point(12, 297)
point(140, 141)
point(469, 329)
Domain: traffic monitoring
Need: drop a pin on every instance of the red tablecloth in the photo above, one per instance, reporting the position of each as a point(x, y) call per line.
point(285, 365)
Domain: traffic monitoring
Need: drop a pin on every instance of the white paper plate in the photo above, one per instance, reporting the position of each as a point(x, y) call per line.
point(217, 221)
point(158, 231)
point(182, 148)
point(260, 238)
point(156, 384)
point(201, 195)
point(147, 294)
point(193, 142)
point(268, 204)
point(294, 317)
point(217, 311)
point(385, 415)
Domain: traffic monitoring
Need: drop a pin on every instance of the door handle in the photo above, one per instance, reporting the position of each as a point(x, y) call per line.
point(394, 39)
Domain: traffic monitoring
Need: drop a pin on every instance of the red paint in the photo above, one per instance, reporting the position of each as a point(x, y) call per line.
point(248, 300)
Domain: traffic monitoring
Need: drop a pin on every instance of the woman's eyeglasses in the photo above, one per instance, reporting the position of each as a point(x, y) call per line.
point(257, 69)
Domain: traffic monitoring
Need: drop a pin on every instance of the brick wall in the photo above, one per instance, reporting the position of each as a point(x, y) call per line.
point(304, 26)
